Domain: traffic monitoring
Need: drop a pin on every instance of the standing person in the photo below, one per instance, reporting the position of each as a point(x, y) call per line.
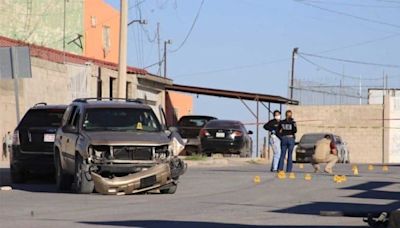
point(325, 152)
point(287, 129)
point(275, 141)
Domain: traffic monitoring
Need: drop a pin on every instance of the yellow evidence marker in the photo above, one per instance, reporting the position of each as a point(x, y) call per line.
point(301, 166)
point(385, 168)
point(307, 177)
point(257, 179)
point(292, 175)
point(370, 167)
point(355, 170)
point(281, 175)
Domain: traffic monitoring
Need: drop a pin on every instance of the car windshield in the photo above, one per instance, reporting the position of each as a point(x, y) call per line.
point(43, 118)
point(194, 121)
point(121, 119)
point(311, 139)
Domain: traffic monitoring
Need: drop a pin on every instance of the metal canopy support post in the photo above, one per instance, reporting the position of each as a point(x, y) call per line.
point(257, 128)
point(269, 138)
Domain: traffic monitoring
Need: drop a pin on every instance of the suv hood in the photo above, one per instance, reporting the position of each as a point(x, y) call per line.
point(115, 138)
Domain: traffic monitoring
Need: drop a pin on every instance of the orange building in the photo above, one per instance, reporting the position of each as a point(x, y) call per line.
point(101, 28)
point(101, 41)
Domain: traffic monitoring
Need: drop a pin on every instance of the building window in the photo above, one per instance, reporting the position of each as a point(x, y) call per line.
point(106, 40)
point(93, 21)
point(128, 90)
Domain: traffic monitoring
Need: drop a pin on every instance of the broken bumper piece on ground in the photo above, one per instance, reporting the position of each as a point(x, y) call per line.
point(153, 178)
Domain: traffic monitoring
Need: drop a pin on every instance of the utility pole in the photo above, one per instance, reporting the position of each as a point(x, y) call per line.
point(159, 49)
point(294, 53)
point(122, 48)
point(165, 57)
point(64, 27)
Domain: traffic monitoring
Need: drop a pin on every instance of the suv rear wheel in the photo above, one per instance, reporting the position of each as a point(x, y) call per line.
point(63, 180)
point(83, 182)
point(17, 175)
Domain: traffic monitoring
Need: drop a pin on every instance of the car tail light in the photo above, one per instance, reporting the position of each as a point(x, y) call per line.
point(204, 133)
point(236, 134)
point(15, 139)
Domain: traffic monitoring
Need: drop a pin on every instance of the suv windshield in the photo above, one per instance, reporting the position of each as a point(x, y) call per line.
point(120, 119)
point(42, 118)
point(311, 139)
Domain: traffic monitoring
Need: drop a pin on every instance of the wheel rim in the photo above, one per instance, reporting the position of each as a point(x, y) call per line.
point(78, 174)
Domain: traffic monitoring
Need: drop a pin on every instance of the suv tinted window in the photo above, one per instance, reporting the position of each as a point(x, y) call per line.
point(42, 118)
point(120, 119)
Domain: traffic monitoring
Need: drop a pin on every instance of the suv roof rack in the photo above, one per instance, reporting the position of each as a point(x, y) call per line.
point(40, 103)
point(85, 100)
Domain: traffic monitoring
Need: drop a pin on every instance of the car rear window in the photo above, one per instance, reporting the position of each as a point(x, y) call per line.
point(223, 124)
point(42, 118)
point(194, 121)
point(311, 139)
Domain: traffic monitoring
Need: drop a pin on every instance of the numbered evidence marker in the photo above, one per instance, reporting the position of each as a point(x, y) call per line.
point(355, 170)
point(385, 168)
point(281, 175)
point(307, 177)
point(257, 179)
point(370, 167)
point(292, 175)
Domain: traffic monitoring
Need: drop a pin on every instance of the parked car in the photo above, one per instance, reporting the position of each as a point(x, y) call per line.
point(226, 137)
point(33, 141)
point(306, 146)
point(116, 147)
point(189, 128)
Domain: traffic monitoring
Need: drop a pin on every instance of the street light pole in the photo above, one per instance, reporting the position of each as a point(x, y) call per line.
point(165, 57)
point(294, 52)
point(122, 49)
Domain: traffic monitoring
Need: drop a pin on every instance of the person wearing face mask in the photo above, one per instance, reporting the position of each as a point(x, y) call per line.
point(287, 129)
point(275, 141)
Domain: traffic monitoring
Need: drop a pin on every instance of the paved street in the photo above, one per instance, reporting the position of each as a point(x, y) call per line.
point(209, 197)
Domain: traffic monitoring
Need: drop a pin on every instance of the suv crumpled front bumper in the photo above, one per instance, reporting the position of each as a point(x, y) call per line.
point(156, 177)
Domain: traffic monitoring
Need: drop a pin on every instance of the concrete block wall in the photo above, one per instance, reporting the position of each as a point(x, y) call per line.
point(360, 126)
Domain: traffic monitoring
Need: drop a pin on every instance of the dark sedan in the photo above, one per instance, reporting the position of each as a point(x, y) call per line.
point(227, 137)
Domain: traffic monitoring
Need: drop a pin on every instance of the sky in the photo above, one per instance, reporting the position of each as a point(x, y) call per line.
point(246, 45)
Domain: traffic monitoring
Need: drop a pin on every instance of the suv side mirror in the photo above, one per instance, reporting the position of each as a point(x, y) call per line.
point(250, 132)
point(173, 129)
point(70, 129)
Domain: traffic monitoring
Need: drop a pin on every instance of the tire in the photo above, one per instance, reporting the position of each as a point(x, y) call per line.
point(63, 180)
point(83, 184)
point(17, 175)
point(170, 190)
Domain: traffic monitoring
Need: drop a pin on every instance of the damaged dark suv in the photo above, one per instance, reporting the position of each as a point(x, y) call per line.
point(115, 147)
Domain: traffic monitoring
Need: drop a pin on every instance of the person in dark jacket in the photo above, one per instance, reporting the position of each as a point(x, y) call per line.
point(287, 129)
point(275, 141)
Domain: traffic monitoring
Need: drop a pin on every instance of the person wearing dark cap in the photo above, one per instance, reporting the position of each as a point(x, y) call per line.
point(275, 141)
point(287, 129)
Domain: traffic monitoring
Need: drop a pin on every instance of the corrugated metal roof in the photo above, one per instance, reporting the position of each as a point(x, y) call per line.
point(57, 56)
point(231, 94)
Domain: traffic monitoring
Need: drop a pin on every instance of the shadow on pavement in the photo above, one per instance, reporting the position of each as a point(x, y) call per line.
point(35, 182)
point(352, 209)
point(181, 224)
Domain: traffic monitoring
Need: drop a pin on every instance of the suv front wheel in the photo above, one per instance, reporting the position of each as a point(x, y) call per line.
point(63, 180)
point(17, 174)
point(83, 182)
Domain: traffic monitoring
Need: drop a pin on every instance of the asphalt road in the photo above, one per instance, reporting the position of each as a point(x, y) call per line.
point(209, 197)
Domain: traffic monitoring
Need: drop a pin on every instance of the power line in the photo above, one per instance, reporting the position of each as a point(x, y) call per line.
point(233, 68)
point(352, 4)
point(334, 72)
point(351, 61)
point(348, 14)
point(191, 28)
